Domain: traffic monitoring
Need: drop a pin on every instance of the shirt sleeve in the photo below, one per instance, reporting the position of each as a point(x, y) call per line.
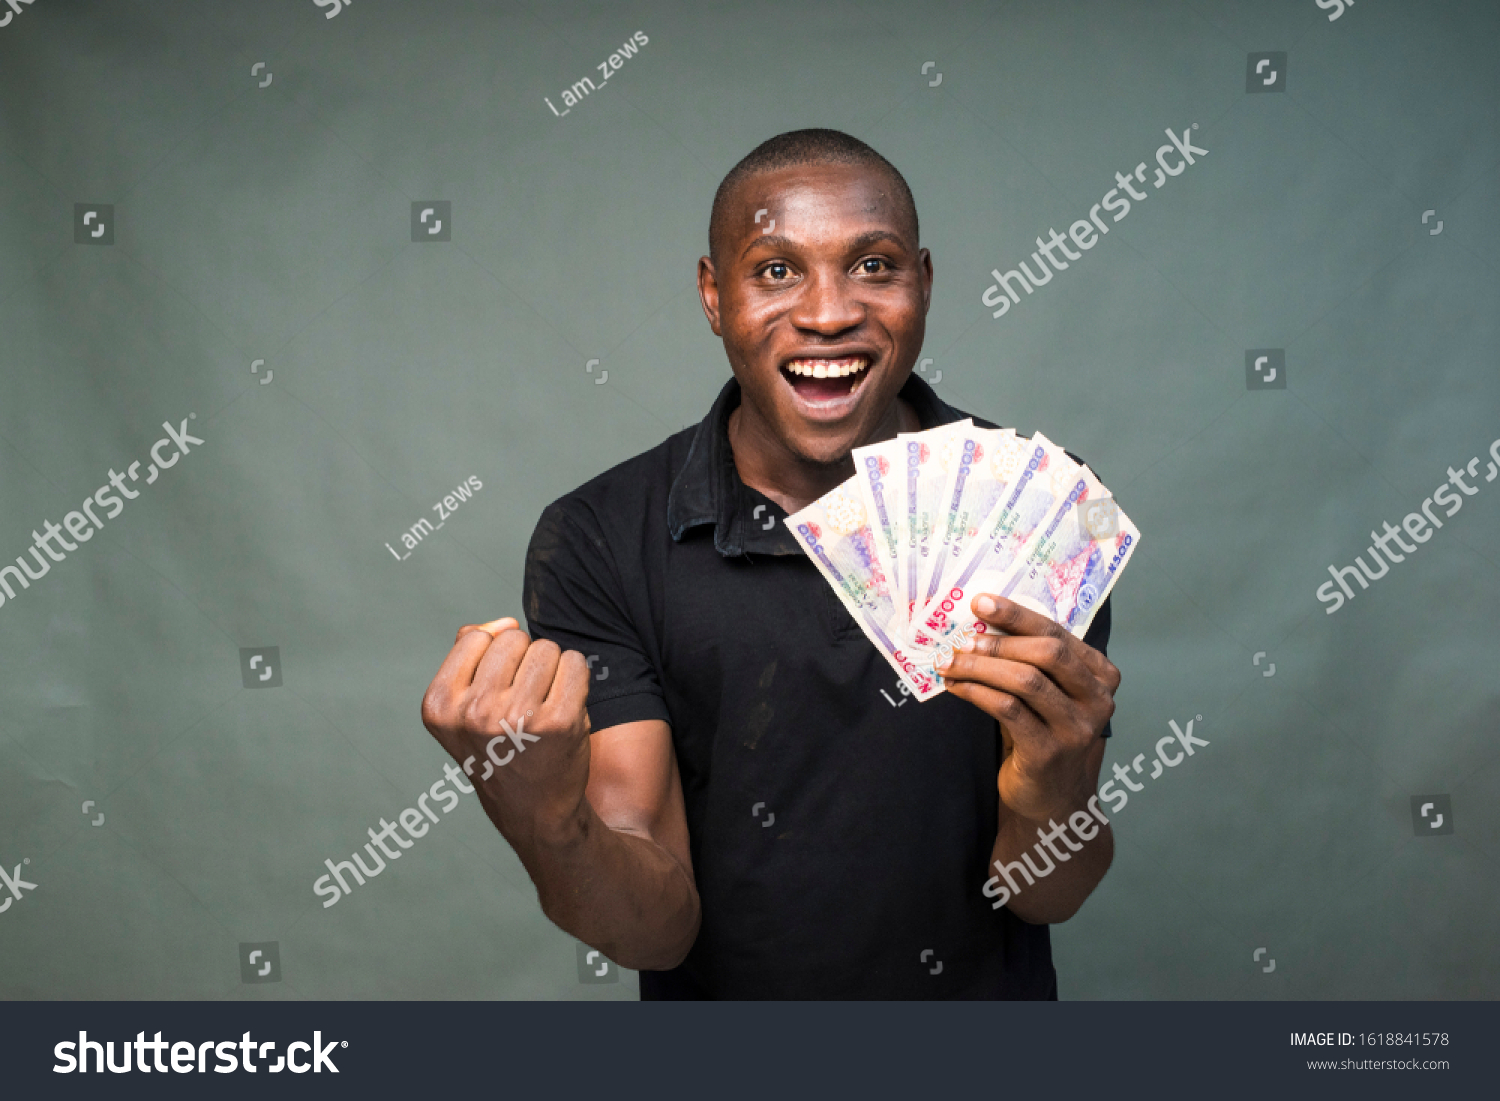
point(1097, 636)
point(573, 595)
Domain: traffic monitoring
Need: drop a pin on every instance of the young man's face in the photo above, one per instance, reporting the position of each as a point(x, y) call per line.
point(830, 282)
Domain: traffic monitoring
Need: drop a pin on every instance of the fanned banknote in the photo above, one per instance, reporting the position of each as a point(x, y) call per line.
point(835, 533)
point(1044, 479)
point(986, 460)
point(882, 495)
point(1071, 564)
point(1066, 568)
point(933, 519)
point(927, 456)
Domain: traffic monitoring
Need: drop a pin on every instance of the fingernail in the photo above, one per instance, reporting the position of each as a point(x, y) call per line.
point(495, 626)
point(985, 605)
point(943, 660)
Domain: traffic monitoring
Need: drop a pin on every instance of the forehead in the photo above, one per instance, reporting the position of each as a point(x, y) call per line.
point(812, 200)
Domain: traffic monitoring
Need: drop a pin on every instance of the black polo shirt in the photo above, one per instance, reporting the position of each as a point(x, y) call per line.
point(840, 830)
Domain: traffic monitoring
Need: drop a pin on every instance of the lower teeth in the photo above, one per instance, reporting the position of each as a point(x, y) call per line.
point(852, 379)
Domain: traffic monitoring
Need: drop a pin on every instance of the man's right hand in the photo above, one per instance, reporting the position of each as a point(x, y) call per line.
point(500, 697)
point(598, 820)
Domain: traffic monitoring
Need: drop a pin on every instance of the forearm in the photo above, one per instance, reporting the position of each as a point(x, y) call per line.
point(1077, 865)
point(621, 892)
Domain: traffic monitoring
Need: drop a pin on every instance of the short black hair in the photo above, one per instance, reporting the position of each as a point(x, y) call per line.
point(798, 147)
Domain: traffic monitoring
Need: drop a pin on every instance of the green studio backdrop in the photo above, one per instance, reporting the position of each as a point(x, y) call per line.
point(369, 253)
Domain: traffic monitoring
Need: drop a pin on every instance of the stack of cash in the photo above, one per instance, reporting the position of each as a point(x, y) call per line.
point(932, 519)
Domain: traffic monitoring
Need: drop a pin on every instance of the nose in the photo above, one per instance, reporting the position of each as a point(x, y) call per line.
point(826, 306)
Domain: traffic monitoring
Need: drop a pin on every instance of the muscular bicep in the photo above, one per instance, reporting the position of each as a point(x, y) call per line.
point(634, 786)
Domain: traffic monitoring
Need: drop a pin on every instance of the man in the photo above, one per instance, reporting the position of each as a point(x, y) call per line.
point(715, 785)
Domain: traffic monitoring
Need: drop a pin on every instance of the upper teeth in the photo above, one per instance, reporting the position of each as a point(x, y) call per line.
point(827, 368)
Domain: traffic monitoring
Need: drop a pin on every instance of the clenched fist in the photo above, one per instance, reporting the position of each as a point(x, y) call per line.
point(511, 712)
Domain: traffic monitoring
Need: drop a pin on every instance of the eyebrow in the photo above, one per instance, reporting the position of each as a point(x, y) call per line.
point(870, 237)
point(773, 239)
point(864, 240)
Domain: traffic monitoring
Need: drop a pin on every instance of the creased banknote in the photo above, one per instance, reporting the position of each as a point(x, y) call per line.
point(933, 519)
point(882, 498)
point(835, 533)
point(927, 457)
point(1069, 564)
point(986, 461)
point(1043, 480)
point(1073, 562)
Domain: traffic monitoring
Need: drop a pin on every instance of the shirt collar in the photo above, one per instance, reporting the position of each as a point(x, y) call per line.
point(708, 489)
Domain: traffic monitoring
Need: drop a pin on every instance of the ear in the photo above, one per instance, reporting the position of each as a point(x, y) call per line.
point(708, 293)
point(924, 261)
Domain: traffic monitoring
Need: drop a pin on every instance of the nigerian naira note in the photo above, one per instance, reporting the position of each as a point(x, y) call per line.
point(835, 533)
point(986, 461)
point(1072, 562)
point(881, 495)
point(1045, 477)
point(925, 458)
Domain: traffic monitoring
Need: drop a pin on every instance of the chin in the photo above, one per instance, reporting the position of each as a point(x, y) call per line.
point(822, 451)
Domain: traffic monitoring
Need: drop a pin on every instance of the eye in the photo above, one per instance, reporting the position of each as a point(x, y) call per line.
point(874, 265)
point(778, 271)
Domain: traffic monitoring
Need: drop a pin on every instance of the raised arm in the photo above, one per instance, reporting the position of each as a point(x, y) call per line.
point(597, 819)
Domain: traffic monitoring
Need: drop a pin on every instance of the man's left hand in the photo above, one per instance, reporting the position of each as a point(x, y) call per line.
point(1052, 696)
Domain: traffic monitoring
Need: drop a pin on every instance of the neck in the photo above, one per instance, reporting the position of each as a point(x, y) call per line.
point(765, 463)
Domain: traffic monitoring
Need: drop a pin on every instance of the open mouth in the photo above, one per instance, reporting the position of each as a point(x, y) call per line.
point(819, 380)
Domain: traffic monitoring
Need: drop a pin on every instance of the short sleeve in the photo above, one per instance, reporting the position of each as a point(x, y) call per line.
point(574, 596)
point(1097, 636)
